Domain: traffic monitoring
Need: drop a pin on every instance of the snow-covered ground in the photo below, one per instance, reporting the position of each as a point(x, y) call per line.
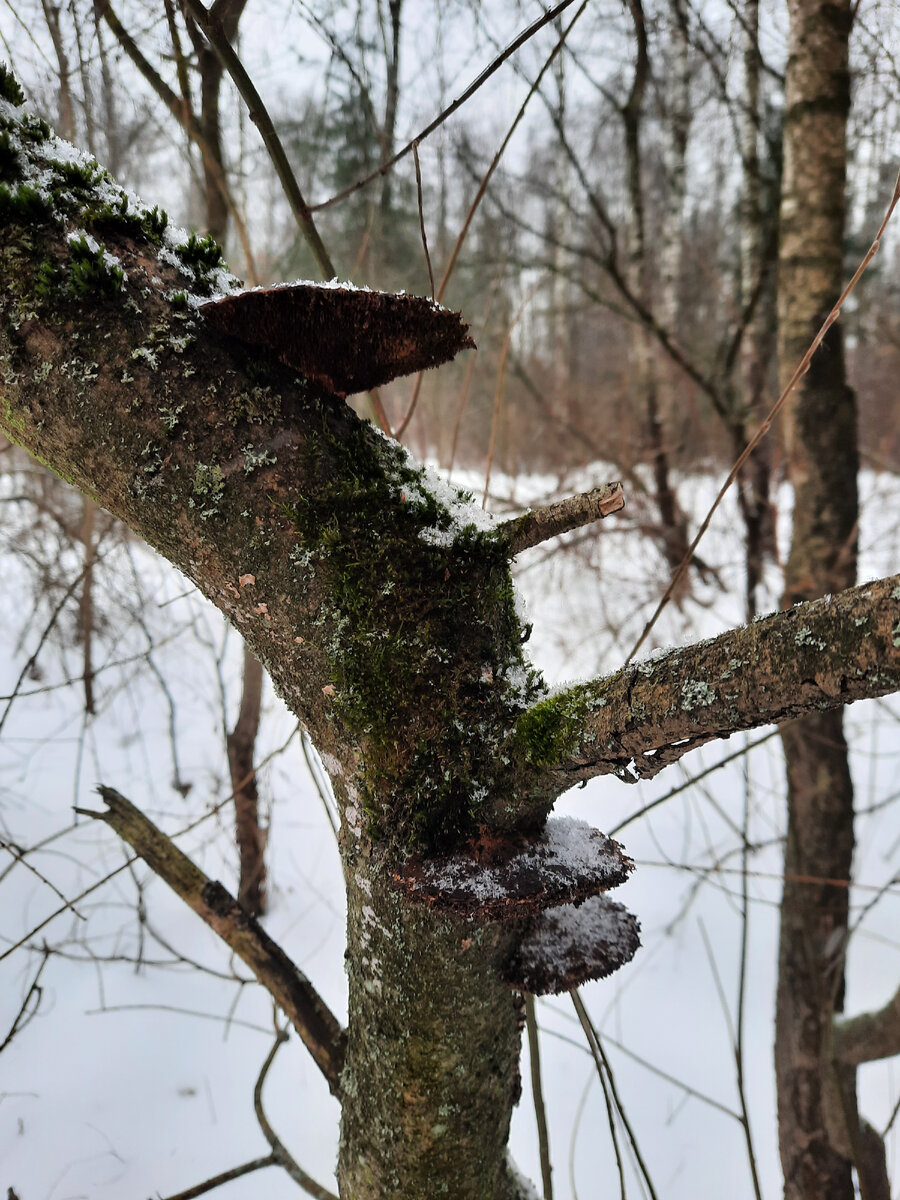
point(135, 1076)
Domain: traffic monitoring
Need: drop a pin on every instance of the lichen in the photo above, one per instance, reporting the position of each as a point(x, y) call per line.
point(208, 487)
point(696, 693)
point(407, 622)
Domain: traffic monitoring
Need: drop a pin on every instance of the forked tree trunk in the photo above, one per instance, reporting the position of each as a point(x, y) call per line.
point(822, 458)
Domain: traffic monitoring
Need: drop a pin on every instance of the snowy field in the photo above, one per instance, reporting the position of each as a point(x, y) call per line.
point(132, 1075)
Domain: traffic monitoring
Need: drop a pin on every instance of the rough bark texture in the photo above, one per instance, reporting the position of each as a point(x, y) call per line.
point(821, 448)
point(386, 618)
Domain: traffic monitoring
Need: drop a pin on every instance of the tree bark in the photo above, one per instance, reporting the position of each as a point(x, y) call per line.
point(820, 437)
point(386, 619)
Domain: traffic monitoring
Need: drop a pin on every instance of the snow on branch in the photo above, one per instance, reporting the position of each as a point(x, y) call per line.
point(541, 524)
point(814, 656)
point(570, 945)
point(318, 1028)
point(509, 876)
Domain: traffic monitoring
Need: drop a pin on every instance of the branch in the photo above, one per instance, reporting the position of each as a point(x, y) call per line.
point(541, 524)
point(550, 15)
point(259, 115)
point(815, 656)
point(280, 1153)
point(869, 1036)
point(316, 1025)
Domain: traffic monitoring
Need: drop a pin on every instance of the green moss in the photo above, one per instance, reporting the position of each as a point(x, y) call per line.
point(47, 276)
point(551, 729)
point(24, 204)
point(111, 219)
point(90, 274)
point(200, 256)
point(77, 178)
point(10, 168)
point(419, 636)
point(9, 86)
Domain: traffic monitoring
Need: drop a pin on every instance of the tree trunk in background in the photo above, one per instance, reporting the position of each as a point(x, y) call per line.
point(822, 460)
point(673, 531)
point(757, 287)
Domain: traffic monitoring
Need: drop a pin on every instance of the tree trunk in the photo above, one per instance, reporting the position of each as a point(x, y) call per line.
point(822, 460)
point(432, 1070)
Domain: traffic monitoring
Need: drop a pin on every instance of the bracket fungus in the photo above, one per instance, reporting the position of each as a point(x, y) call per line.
point(346, 339)
point(571, 944)
point(507, 877)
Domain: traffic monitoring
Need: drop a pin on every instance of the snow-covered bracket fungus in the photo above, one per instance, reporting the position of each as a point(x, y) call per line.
point(550, 886)
point(569, 945)
point(345, 338)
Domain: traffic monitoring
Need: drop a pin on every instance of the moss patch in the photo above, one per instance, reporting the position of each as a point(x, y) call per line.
point(421, 637)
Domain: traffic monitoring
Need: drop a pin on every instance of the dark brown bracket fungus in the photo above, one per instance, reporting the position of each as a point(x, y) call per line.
point(570, 945)
point(507, 878)
point(345, 339)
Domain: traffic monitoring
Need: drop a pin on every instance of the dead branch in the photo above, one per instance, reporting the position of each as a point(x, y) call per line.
point(869, 1036)
point(540, 524)
point(317, 1026)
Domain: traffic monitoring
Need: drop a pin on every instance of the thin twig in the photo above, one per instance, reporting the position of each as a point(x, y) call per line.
point(600, 1058)
point(742, 986)
point(550, 15)
point(19, 856)
point(259, 115)
point(694, 779)
point(799, 371)
point(482, 188)
point(208, 1185)
point(279, 1151)
point(537, 1093)
point(23, 1016)
point(422, 216)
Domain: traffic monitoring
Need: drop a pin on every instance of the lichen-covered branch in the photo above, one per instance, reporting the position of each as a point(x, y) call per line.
point(869, 1036)
point(814, 656)
point(541, 524)
point(307, 1012)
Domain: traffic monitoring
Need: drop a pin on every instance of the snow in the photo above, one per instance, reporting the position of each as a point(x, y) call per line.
point(135, 1078)
point(567, 851)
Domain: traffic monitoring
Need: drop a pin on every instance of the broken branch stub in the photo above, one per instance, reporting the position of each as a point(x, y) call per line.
point(571, 945)
point(510, 876)
point(346, 339)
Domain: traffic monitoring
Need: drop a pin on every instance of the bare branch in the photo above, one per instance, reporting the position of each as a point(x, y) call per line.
point(869, 1036)
point(259, 115)
point(308, 1013)
point(815, 656)
point(215, 1181)
point(550, 15)
point(540, 524)
point(280, 1153)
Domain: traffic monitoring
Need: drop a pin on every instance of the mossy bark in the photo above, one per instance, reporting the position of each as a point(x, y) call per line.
point(431, 1074)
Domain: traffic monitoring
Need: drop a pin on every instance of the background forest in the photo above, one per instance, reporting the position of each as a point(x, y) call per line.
point(604, 210)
